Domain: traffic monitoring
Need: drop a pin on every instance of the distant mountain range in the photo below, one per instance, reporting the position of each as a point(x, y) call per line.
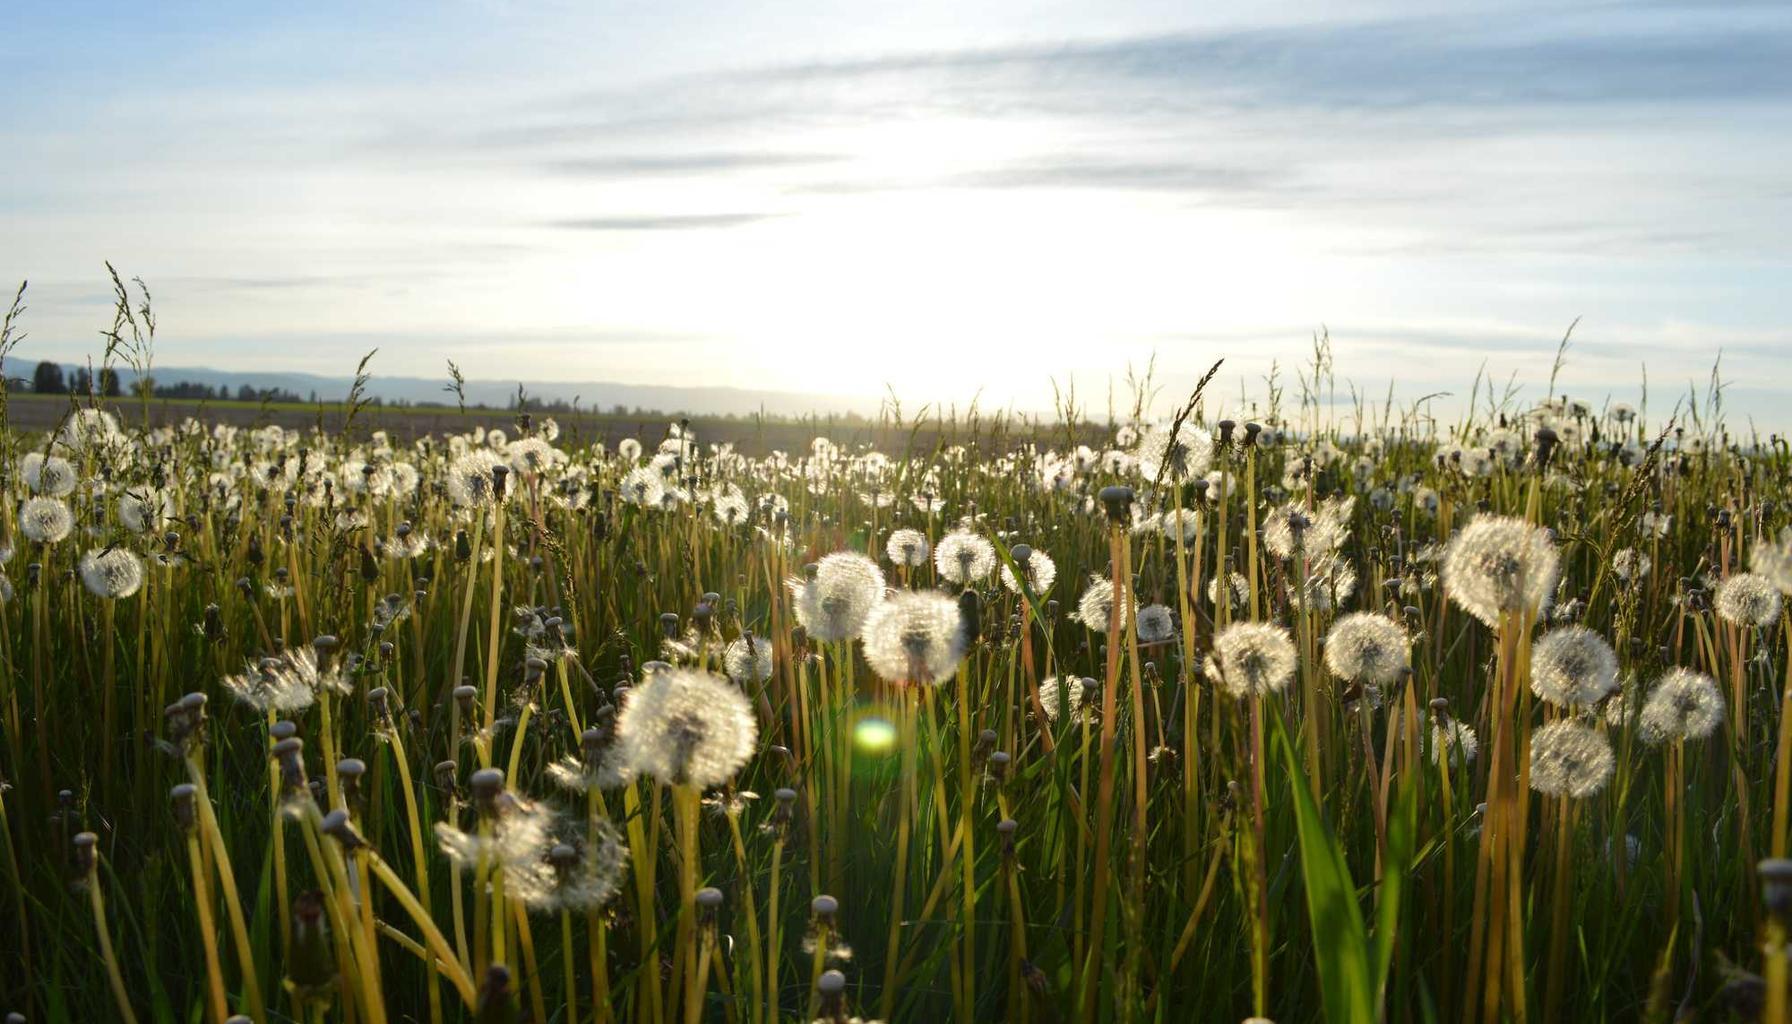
point(598, 396)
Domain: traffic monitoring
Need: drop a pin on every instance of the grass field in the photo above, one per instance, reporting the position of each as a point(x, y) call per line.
point(1324, 718)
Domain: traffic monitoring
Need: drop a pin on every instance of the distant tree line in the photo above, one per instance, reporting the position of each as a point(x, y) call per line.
point(49, 379)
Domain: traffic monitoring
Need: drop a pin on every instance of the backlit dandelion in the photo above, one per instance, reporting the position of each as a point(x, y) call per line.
point(685, 728)
point(1684, 705)
point(1040, 570)
point(1570, 760)
point(1174, 457)
point(907, 547)
point(1252, 659)
point(915, 637)
point(748, 659)
point(45, 520)
point(111, 572)
point(833, 606)
point(1095, 608)
point(1573, 667)
point(1156, 625)
point(49, 475)
point(1498, 564)
point(1748, 599)
point(964, 557)
point(1367, 648)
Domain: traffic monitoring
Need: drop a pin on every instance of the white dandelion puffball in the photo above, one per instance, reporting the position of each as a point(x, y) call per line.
point(1066, 695)
point(748, 659)
point(964, 557)
point(915, 637)
point(908, 547)
point(1499, 564)
point(111, 572)
point(45, 520)
point(1685, 705)
point(833, 606)
point(1570, 760)
point(1252, 659)
point(1095, 608)
point(1748, 599)
point(1186, 455)
point(1155, 624)
point(1180, 522)
point(1367, 648)
point(643, 486)
point(50, 475)
point(471, 481)
point(1573, 667)
point(1041, 572)
point(1631, 565)
point(685, 728)
point(1774, 561)
point(1453, 742)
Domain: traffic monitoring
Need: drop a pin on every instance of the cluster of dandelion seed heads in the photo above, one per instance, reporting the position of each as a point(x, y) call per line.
point(1498, 564)
point(1252, 659)
point(915, 637)
point(1748, 599)
point(1684, 705)
point(1573, 667)
point(1367, 648)
point(685, 728)
point(834, 605)
point(1570, 760)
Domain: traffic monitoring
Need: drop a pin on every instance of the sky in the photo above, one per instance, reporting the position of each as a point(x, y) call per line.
point(936, 199)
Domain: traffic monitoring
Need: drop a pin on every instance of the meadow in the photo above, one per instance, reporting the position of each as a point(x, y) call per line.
point(1317, 711)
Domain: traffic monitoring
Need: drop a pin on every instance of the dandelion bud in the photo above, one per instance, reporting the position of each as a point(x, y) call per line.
point(290, 753)
point(1545, 440)
point(463, 547)
point(1117, 500)
point(496, 1004)
point(830, 988)
point(446, 773)
point(282, 730)
point(1006, 829)
point(463, 698)
point(709, 900)
point(998, 766)
point(379, 701)
point(1226, 428)
point(669, 625)
point(823, 908)
point(184, 798)
point(1251, 430)
point(337, 826)
point(311, 962)
point(349, 772)
point(214, 624)
point(487, 785)
point(87, 857)
point(1776, 887)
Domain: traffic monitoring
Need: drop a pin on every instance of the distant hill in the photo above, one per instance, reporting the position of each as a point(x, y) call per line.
point(600, 396)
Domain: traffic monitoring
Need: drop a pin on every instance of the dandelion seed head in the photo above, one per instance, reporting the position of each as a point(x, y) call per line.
point(1252, 659)
point(748, 659)
point(1570, 760)
point(1095, 608)
point(1155, 624)
point(1684, 705)
point(1573, 667)
point(1453, 742)
point(1773, 560)
point(45, 520)
point(908, 547)
point(915, 637)
point(1630, 565)
point(964, 557)
point(1041, 572)
point(111, 572)
point(1183, 456)
point(49, 475)
point(1748, 599)
point(833, 606)
point(1499, 564)
point(470, 478)
point(685, 728)
point(1367, 648)
point(1061, 695)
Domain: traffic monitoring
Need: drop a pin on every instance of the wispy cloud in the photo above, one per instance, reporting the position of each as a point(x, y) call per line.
point(667, 222)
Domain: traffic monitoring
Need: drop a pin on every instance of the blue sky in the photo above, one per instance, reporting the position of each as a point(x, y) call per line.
point(940, 198)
